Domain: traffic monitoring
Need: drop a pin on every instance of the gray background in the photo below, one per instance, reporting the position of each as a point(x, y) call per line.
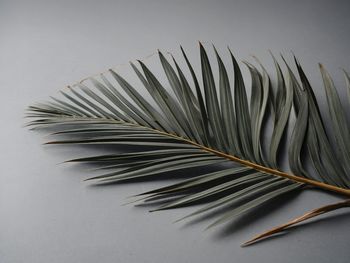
point(47, 214)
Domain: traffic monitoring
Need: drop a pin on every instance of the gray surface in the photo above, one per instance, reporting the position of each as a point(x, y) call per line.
point(47, 214)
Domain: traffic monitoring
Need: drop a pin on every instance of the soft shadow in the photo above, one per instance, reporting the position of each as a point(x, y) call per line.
point(242, 220)
point(255, 214)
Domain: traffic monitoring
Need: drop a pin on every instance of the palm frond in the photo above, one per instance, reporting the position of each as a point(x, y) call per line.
point(192, 123)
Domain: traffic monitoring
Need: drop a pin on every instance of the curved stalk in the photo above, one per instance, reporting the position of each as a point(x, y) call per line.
point(268, 170)
point(308, 215)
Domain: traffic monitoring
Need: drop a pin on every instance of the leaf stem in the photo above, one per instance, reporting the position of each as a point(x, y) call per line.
point(308, 215)
point(261, 168)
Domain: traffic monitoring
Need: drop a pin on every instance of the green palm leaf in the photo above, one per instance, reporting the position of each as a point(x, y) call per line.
point(205, 124)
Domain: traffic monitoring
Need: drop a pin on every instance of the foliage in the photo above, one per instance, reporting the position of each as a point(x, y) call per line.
point(199, 123)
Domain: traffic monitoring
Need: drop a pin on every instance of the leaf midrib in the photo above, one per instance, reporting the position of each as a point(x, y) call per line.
point(258, 167)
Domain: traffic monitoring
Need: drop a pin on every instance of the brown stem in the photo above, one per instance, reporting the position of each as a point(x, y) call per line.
point(311, 214)
point(264, 169)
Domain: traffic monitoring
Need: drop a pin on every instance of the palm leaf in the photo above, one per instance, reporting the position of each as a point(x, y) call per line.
point(205, 124)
